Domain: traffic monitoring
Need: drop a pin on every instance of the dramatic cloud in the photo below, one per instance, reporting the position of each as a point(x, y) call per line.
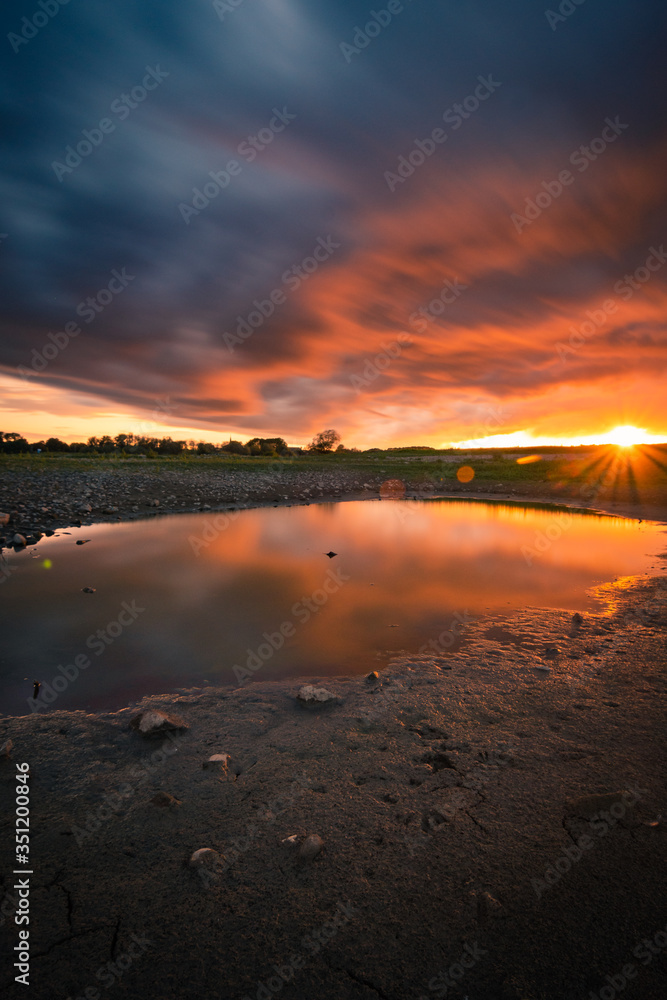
point(434, 224)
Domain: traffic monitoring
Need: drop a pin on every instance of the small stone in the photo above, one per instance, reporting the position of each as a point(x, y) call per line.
point(84, 508)
point(373, 676)
point(205, 857)
point(154, 722)
point(164, 800)
point(6, 749)
point(4, 518)
point(19, 541)
point(153, 503)
point(314, 697)
point(291, 841)
point(219, 761)
point(88, 590)
point(542, 666)
point(82, 541)
point(577, 619)
point(551, 651)
point(311, 847)
point(110, 510)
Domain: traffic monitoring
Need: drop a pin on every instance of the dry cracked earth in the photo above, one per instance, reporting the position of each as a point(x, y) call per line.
point(492, 827)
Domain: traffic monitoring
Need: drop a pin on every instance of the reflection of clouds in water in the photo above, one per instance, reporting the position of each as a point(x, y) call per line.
point(204, 612)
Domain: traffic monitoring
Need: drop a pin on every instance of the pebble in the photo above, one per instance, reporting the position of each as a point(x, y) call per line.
point(219, 761)
point(4, 518)
point(314, 697)
point(154, 722)
point(291, 841)
point(205, 857)
point(19, 541)
point(311, 847)
point(165, 800)
point(88, 590)
point(373, 676)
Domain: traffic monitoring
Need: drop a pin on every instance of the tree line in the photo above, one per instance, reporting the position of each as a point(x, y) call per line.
point(132, 444)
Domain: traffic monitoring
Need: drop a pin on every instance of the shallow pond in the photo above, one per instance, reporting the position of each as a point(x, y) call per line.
point(223, 598)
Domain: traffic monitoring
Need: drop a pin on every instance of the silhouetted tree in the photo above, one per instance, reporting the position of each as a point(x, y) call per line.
point(324, 441)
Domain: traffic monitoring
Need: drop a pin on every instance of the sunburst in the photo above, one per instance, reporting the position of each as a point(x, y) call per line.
point(626, 436)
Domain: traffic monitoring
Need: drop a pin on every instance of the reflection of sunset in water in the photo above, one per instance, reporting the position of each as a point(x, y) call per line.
point(215, 588)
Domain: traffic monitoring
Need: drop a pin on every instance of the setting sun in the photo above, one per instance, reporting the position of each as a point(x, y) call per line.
point(626, 436)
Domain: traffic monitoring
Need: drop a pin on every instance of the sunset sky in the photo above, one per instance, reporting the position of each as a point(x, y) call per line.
point(380, 217)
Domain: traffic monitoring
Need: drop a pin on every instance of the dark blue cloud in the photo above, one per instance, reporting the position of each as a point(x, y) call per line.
point(356, 113)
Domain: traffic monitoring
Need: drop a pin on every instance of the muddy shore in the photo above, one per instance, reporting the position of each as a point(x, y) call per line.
point(493, 828)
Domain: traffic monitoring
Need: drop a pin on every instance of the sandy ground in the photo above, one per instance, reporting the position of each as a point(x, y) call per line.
point(465, 851)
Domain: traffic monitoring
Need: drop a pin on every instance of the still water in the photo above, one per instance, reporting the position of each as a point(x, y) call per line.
point(200, 599)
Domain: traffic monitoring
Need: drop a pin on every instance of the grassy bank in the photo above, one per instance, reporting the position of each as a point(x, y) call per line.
point(631, 471)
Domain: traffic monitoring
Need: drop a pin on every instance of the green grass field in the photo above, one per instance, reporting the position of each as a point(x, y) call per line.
point(636, 470)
